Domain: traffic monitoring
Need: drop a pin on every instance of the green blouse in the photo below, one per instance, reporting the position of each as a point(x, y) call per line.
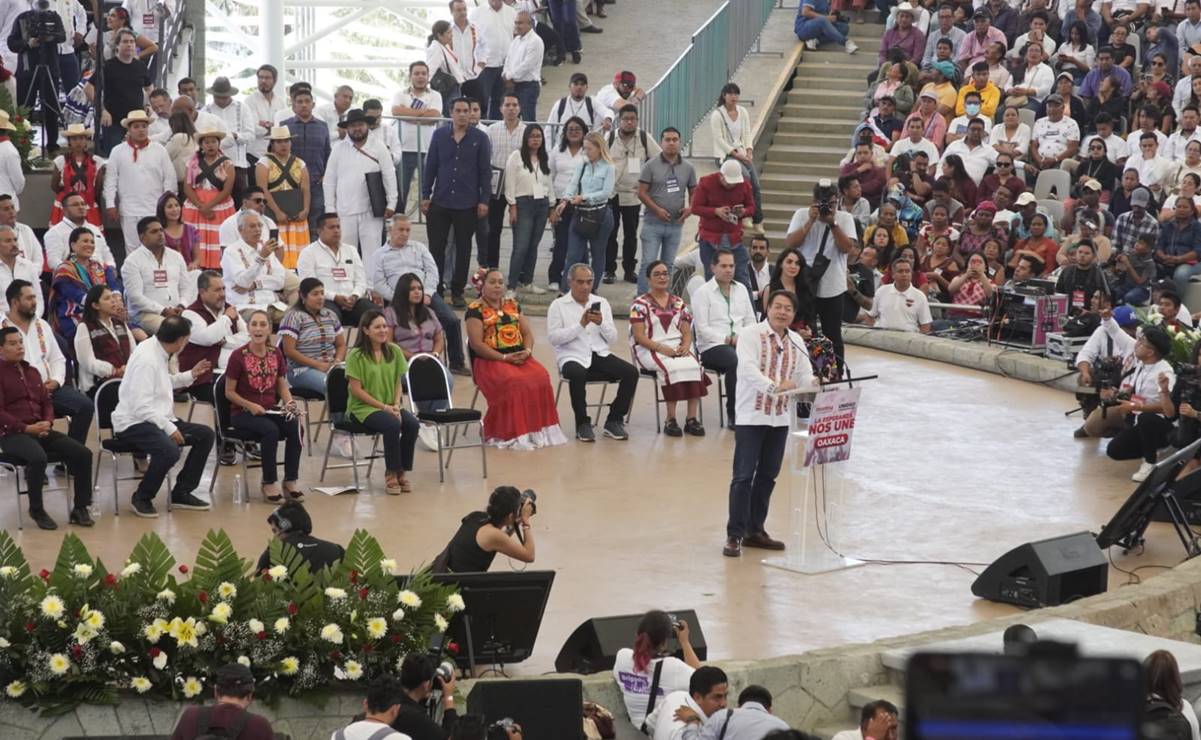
point(379, 379)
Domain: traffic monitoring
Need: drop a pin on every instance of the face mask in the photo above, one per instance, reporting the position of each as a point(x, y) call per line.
point(972, 108)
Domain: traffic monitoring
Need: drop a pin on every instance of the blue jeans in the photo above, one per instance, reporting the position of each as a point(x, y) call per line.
point(491, 92)
point(527, 96)
point(527, 235)
point(756, 194)
point(1182, 273)
point(308, 378)
point(562, 17)
point(659, 242)
point(742, 260)
point(451, 327)
point(68, 72)
point(410, 163)
point(579, 248)
point(398, 435)
point(758, 455)
point(822, 30)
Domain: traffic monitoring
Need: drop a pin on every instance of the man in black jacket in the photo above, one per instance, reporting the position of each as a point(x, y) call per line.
point(417, 677)
point(292, 524)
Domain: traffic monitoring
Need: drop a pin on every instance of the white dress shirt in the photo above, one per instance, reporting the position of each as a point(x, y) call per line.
point(1155, 173)
point(1115, 147)
point(9, 10)
point(661, 724)
point(91, 367)
point(520, 182)
point(341, 273)
point(31, 248)
point(328, 113)
point(58, 247)
point(345, 184)
point(244, 268)
point(42, 351)
point(384, 134)
point(152, 285)
point(575, 343)
point(22, 269)
point(239, 125)
point(1174, 148)
point(763, 357)
point(135, 187)
point(523, 61)
point(715, 317)
point(438, 56)
point(160, 129)
point(12, 178)
point(229, 334)
point(144, 15)
point(147, 389)
point(75, 20)
point(494, 33)
point(411, 131)
point(228, 232)
point(975, 160)
point(258, 108)
point(465, 42)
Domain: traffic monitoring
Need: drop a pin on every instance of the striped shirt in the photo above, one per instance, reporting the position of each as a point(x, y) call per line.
point(314, 336)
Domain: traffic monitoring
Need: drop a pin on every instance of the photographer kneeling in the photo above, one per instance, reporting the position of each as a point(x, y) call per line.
point(482, 534)
point(419, 678)
point(1102, 364)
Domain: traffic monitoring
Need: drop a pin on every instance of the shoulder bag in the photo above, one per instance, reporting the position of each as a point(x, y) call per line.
point(443, 82)
point(650, 700)
point(813, 276)
point(376, 193)
point(586, 218)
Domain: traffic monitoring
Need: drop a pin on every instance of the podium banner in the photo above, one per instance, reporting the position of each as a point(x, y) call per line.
point(831, 424)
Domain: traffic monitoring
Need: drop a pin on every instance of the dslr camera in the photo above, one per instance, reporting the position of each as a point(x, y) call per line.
point(528, 495)
point(824, 195)
point(1107, 375)
point(443, 673)
point(43, 25)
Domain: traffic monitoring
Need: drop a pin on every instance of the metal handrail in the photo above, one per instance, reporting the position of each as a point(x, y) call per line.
point(168, 38)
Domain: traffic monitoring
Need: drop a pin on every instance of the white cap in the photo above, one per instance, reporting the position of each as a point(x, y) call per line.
point(731, 171)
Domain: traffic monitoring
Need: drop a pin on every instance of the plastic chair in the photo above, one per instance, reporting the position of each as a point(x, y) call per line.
point(1054, 208)
point(337, 396)
point(1050, 181)
point(428, 381)
point(1026, 116)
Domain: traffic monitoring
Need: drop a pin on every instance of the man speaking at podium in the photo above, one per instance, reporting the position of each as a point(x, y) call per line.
point(773, 360)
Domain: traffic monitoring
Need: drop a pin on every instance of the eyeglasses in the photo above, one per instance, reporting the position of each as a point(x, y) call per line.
point(659, 273)
point(258, 201)
point(1096, 148)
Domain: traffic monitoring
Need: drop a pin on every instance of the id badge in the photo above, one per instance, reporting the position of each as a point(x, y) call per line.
point(672, 184)
point(633, 166)
point(160, 278)
point(339, 273)
point(149, 21)
point(1077, 297)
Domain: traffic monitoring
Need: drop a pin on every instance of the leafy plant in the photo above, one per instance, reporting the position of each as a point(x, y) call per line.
point(22, 138)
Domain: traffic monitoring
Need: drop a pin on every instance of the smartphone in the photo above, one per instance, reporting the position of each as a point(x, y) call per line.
point(273, 234)
point(594, 306)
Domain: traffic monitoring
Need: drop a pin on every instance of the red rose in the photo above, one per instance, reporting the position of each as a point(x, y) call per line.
point(76, 651)
point(29, 627)
point(110, 580)
point(154, 652)
point(368, 648)
point(354, 577)
point(262, 635)
point(292, 608)
point(396, 639)
point(267, 577)
point(452, 647)
point(363, 594)
point(335, 655)
point(183, 569)
point(203, 596)
point(45, 574)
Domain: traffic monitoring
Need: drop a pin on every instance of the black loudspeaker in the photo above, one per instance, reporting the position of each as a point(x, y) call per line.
point(593, 646)
point(1046, 573)
point(546, 709)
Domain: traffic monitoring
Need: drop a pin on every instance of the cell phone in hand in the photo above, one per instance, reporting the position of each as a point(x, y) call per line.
point(273, 234)
point(594, 306)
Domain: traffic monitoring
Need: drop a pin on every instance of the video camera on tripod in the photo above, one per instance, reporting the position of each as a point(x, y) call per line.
point(42, 24)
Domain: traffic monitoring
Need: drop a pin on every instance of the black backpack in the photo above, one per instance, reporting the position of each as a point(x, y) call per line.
point(1164, 722)
point(562, 106)
point(205, 717)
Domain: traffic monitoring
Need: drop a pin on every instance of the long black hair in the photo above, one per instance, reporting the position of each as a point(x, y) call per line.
point(563, 136)
point(505, 500)
point(95, 293)
point(308, 285)
point(525, 149)
point(805, 304)
point(405, 315)
point(363, 342)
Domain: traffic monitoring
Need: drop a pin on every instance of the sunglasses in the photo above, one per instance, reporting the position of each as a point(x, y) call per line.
point(1004, 164)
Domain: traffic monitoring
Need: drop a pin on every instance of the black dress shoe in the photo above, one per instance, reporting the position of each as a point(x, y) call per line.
point(592, 29)
point(575, 57)
point(733, 548)
point(42, 519)
point(81, 517)
point(763, 541)
point(631, 277)
point(190, 502)
point(144, 509)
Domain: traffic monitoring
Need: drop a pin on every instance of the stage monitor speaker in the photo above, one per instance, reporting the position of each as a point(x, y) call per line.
point(593, 646)
point(546, 709)
point(1046, 573)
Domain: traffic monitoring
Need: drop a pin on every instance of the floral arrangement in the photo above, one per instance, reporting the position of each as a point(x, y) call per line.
point(1183, 338)
point(22, 138)
point(81, 633)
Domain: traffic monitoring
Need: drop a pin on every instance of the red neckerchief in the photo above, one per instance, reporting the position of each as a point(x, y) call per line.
point(136, 147)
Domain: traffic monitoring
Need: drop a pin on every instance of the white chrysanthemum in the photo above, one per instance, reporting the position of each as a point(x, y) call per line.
point(440, 623)
point(160, 661)
point(84, 634)
point(255, 626)
point(192, 687)
point(409, 599)
point(282, 625)
point(4, 644)
point(227, 590)
point(243, 660)
point(131, 569)
point(153, 633)
point(140, 684)
point(398, 615)
point(388, 565)
point(335, 593)
point(455, 604)
point(53, 607)
point(15, 689)
point(59, 664)
point(278, 571)
point(332, 633)
point(221, 613)
point(353, 670)
point(7, 571)
point(93, 618)
point(166, 595)
point(377, 627)
point(116, 648)
point(82, 570)
point(289, 666)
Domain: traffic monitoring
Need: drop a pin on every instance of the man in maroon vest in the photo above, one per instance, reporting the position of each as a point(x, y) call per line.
point(217, 330)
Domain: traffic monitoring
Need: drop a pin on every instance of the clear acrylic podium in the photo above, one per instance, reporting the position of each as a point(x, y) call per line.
point(808, 499)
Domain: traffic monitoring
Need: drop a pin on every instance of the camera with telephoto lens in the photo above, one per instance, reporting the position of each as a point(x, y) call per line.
point(529, 495)
point(443, 673)
point(823, 193)
point(1107, 376)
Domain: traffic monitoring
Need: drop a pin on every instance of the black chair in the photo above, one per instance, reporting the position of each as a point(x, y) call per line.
point(105, 402)
point(17, 467)
point(224, 430)
point(337, 396)
point(312, 429)
point(428, 381)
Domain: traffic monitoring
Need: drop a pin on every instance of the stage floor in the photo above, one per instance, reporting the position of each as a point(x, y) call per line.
point(948, 465)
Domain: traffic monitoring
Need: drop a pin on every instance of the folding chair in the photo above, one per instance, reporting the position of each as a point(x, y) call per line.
point(238, 438)
point(105, 401)
point(8, 462)
point(426, 381)
point(337, 396)
point(660, 400)
point(721, 394)
point(312, 429)
point(600, 403)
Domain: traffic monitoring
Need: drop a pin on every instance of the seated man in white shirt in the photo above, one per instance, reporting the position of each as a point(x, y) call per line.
point(752, 720)
point(145, 419)
point(579, 325)
point(217, 330)
point(253, 274)
point(75, 215)
point(706, 696)
point(253, 200)
point(382, 705)
point(877, 720)
point(899, 305)
point(154, 277)
point(31, 248)
point(339, 268)
point(720, 308)
point(14, 266)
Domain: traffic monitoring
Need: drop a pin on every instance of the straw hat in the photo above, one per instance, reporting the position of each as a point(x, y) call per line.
point(210, 133)
point(77, 129)
point(5, 123)
point(135, 116)
point(280, 133)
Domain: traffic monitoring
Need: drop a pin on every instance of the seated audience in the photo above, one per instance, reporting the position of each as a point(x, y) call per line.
point(521, 404)
point(706, 696)
point(145, 419)
point(483, 534)
point(57, 239)
point(1178, 249)
point(877, 720)
point(14, 266)
point(253, 200)
point(74, 278)
point(1037, 245)
point(414, 326)
point(661, 342)
point(380, 709)
point(255, 275)
point(229, 715)
point(971, 288)
point(154, 278)
point(418, 682)
point(31, 248)
point(861, 283)
point(216, 331)
point(719, 309)
point(1134, 272)
point(339, 269)
point(179, 236)
point(103, 340)
point(312, 338)
point(1135, 223)
point(374, 368)
point(292, 524)
point(580, 328)
point(940, 268)
point(899, 305)
point(635, 669)
point(261, 404)
point(1081, 280)
point(27, 433)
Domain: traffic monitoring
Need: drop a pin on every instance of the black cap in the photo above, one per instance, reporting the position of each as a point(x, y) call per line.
point(981, 13)
point(579, 77)
point(1159, 339)
point(234, 677)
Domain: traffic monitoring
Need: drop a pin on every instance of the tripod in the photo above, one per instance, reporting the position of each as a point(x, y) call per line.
point(43, 80)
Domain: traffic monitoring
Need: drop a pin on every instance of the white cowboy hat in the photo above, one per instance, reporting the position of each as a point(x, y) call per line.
point(280, 133)
point(211, 132)
point(77, 129)
point(135, 116)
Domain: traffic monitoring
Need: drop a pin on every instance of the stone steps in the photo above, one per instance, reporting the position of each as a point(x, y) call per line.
point(849, 67)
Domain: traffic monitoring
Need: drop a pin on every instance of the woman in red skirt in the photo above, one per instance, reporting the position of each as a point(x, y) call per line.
point(76, 171)
point(208, 187)
point(521, 405)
